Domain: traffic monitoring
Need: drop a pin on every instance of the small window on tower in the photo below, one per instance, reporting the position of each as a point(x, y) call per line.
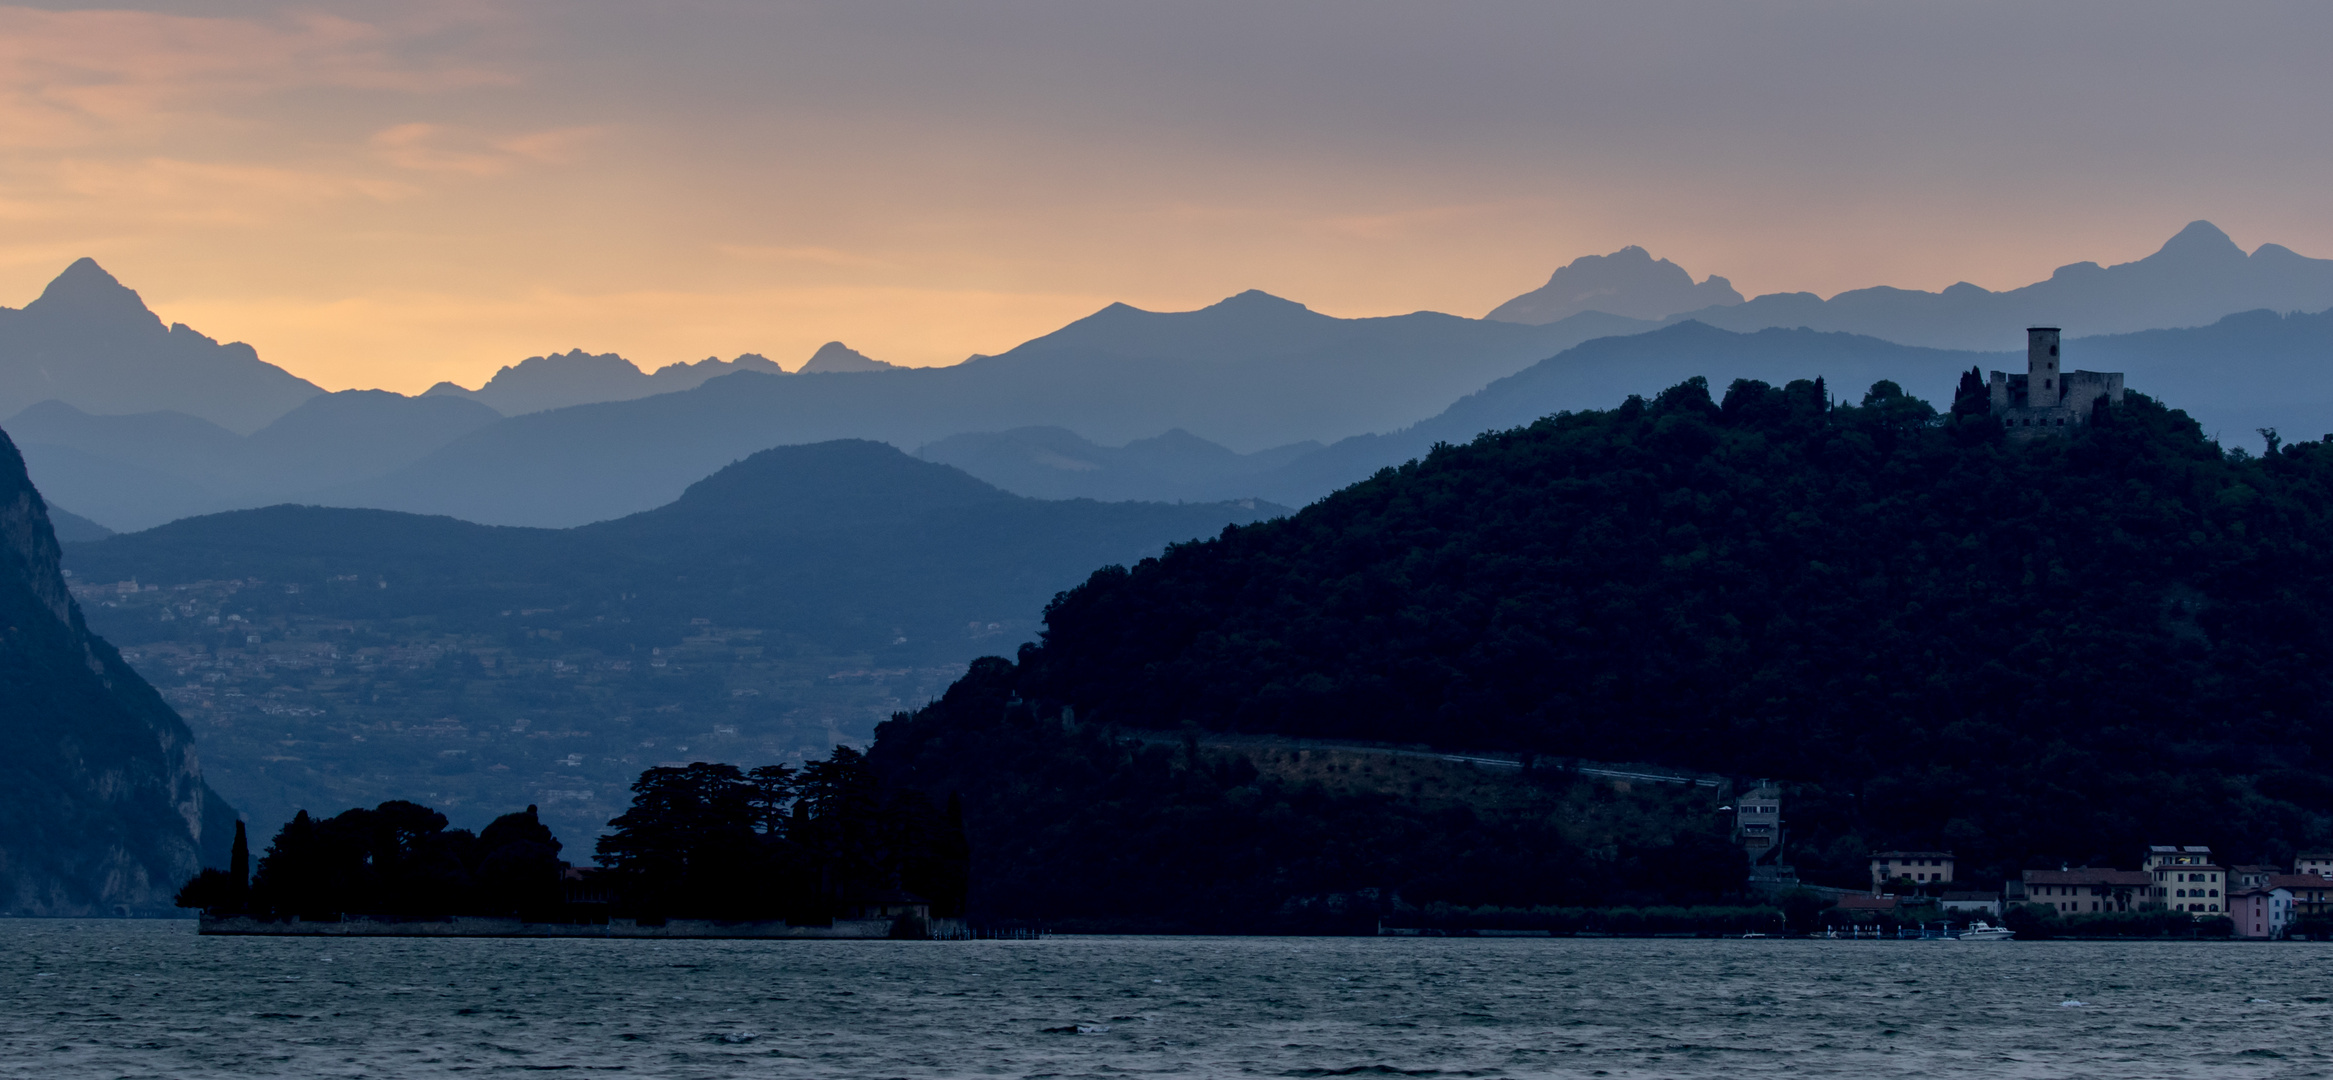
point(2053, 350)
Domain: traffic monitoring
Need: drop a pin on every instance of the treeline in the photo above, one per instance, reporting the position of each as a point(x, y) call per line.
point(395, 859)
point(701, 841)
point(2024, 652)
point(711, 841)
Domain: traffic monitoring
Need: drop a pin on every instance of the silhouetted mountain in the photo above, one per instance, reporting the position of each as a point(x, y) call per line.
point(579, 378)
point(90, 342)
point(834, 356)
point(1627, 282)
point(810, 562)
point(105, 810)
point(2025, 652)
point(1249, 373)
point(1054, 463)
point(2196, 278)
point(134, 472)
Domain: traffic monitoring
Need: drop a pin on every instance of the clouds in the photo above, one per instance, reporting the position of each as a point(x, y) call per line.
point(75, 78)
point(928, 179)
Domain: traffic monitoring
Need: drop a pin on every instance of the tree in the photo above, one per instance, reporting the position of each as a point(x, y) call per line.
point(520, 871)
point(687, 845)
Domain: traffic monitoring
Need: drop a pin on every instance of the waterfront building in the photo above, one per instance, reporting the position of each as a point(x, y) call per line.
point(2088, 890)
point(1985, 904)
point(2319, 863)
point(1918, 867)
point(2260, 912)
point(2312, 894)
point(2185, 879)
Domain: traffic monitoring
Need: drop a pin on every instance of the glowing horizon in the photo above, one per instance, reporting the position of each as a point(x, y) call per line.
point(393, 200)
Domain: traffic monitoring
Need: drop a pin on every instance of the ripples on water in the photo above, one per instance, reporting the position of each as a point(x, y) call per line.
point(108, 999)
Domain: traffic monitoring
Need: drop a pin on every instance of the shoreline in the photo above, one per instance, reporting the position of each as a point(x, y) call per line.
point(478, 926)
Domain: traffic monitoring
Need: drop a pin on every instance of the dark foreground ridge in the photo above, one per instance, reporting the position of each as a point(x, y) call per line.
point(105, 805)
point(2029, 653)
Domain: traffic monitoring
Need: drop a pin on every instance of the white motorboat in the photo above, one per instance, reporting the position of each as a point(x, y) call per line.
point(1985, 931)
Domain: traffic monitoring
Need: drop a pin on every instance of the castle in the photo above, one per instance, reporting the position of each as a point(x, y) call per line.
point(2044, 397)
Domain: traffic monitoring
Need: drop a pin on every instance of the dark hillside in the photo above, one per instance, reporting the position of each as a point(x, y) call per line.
point(105, 811)
point(2053, 651)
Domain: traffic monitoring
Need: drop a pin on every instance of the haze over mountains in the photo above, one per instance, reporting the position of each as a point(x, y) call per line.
point(334, 657)
point(1628, 282)
point(576, 377)
point(91, 342)
point(1225, 401)
point(2198, 276)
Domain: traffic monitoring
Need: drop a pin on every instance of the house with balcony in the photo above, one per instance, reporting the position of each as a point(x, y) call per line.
point(2185, 879)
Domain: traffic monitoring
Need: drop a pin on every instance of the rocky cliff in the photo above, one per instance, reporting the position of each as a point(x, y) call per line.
point(103, 809)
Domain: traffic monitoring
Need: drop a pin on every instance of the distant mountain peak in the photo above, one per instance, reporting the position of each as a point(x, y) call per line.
point(2199, 240)
point(1255, 300)
point(86, 293)
point(836, 357)
point(1628, 282)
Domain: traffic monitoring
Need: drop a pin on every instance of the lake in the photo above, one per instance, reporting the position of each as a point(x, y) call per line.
point(151, 999)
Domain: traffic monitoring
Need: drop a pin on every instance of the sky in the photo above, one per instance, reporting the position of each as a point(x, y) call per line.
point(386, 195)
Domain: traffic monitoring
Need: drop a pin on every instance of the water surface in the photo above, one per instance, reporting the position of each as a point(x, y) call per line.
point(146, 999)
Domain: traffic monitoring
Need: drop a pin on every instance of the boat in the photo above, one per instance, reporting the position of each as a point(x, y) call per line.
point(1985, 931)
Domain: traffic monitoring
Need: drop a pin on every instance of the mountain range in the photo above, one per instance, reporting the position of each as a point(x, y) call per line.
point(106, 810)
point(1206, 404)
point(2196, 277)
point(575, 377)
point(2217, 373)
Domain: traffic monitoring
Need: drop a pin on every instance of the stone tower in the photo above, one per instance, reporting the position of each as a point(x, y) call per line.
point(2046, 400)
point(2043, 388)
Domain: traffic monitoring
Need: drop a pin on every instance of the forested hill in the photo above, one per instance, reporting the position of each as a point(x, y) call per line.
point(2028, 653)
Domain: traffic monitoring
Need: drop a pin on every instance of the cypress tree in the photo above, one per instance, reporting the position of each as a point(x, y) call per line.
point(239, 858)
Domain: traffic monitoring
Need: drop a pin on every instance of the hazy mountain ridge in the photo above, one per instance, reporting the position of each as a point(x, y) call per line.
point(575, 377)
point(792, 598)
point(107, 812)
point(2196, 278)
point(1055, 463)
point(2221, 371)
point(1251, 371)
point(136, 471)
point(1628, 282)
point(91, 341)
point(834, 358)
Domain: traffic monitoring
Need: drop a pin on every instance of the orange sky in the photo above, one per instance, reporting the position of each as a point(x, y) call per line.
point(390, 200)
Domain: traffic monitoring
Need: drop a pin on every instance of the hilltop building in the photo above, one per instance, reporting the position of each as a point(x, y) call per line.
point(2046, 397)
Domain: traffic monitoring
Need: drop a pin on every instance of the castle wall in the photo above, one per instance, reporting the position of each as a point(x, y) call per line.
point(2045, 400)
